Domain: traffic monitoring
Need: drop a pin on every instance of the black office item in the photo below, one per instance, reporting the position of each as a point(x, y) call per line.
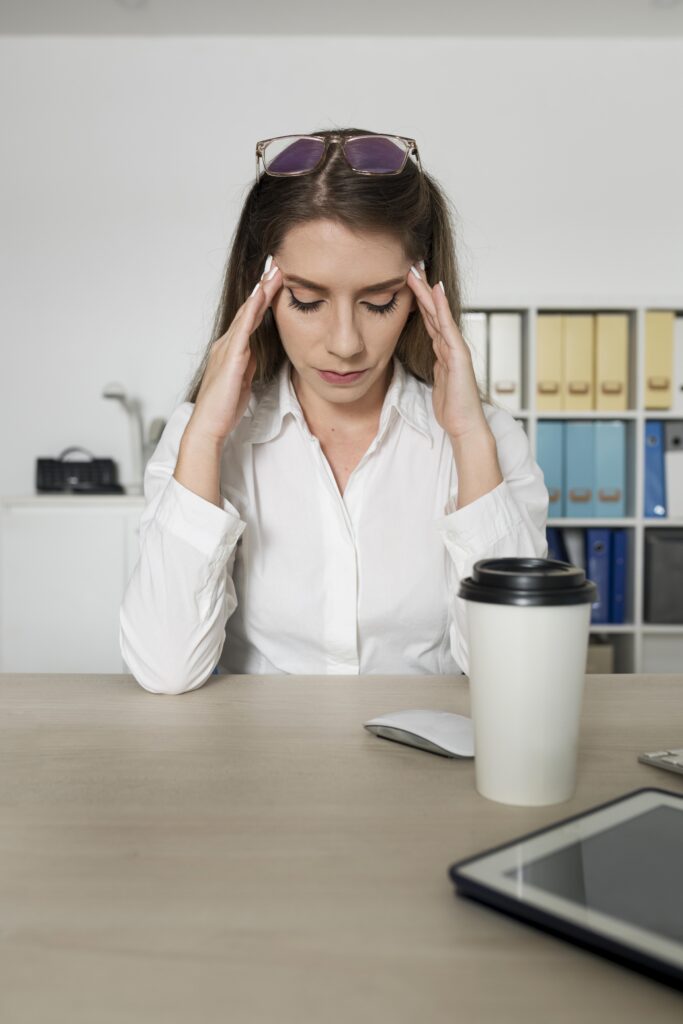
point(664, 575)
point(72, 476)
point(608, 879)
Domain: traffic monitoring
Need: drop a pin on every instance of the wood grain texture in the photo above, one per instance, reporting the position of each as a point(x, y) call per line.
point(249, 853)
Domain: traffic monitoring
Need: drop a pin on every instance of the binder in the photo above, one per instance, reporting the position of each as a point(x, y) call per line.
point(618, 577)
point(550, 457)
point(575, 542)
point(578, 392)
point(505, 359)
point(579, 460)
point(556, 545)
point(673, 468)
point(548, 361)
point(611, 361)
point(659, 342)
point(610, 468)
point(598, 549)
point(677, 397)
point(655, 491)
point(474, 331)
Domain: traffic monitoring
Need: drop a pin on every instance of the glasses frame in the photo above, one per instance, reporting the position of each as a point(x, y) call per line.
point(411, 148)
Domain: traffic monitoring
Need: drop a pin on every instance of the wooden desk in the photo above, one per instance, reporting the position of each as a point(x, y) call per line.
point(249, 853)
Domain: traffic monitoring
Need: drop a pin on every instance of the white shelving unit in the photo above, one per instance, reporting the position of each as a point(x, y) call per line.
point(640, 646)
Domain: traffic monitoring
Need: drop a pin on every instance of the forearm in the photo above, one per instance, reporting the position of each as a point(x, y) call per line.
point(174, 612)
point(180, 594)
point(476, 462)
point(199, 466)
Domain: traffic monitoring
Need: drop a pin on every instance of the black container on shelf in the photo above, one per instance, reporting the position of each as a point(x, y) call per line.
point(664, 576)
point(72, 476)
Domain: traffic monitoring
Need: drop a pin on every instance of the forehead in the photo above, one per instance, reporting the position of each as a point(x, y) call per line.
point(319, 243)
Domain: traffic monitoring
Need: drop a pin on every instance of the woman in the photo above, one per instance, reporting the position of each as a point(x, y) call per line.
point(298, 521)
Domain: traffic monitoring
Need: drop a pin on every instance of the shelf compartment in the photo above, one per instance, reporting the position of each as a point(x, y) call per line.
point(611, 652)
point(662, 651)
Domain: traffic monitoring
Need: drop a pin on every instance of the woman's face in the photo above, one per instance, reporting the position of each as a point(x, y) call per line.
point(338, 321)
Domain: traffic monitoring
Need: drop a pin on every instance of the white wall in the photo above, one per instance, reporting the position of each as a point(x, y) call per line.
point(126, 160)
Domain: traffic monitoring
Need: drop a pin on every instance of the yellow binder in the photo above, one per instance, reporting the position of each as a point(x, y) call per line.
point(611, 361)
point(578, 391)
point(548, 361)
point(659, 357)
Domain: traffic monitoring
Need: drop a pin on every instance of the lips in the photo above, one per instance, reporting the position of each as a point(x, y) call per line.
point(350, 377)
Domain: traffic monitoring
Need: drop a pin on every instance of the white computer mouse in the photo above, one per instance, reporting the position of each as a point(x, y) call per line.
point(439, 732)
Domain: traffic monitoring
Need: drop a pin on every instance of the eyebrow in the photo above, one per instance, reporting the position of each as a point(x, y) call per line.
point(381, 286)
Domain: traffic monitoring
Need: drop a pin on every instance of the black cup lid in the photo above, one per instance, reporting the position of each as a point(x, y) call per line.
point(527, 581)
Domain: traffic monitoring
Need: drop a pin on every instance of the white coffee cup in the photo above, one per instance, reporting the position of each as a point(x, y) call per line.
point(529, 624)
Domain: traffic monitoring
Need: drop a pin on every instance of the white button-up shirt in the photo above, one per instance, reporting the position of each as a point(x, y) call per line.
point(291, 576)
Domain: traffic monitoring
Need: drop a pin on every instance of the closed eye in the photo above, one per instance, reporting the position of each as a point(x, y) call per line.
point(312, 307)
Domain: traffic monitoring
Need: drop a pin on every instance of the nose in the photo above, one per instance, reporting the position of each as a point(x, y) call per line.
point(345, 339)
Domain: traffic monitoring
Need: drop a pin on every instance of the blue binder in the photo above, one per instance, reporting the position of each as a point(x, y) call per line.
point(556, 549)
point(655, 490)
point(610, 468)
point(550, 457)
point(579, 468)
point(598, 570)
point(619, 576)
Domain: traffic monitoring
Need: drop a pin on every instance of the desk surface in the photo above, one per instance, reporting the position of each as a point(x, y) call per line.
point(249, 853)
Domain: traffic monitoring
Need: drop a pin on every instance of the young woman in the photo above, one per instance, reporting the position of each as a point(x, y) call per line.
point(334, 471)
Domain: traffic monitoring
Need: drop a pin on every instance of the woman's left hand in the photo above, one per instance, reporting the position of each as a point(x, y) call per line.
point(455, 395)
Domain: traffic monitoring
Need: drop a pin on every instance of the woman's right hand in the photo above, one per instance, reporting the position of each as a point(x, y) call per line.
point(225, 389)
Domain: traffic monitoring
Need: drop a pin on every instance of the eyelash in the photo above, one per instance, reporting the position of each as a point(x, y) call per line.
point(311, 307)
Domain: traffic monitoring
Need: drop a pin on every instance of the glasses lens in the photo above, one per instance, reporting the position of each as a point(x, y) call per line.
point(293, 153)
point(376, 153)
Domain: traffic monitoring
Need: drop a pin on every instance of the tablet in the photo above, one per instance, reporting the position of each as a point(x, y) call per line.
point(609, 879)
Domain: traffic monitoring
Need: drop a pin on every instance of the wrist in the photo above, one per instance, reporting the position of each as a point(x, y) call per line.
point(479, 439)
point(195, 438)
point(476, 464)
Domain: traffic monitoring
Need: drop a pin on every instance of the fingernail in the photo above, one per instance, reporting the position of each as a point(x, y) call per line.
point(442, 287)
point(422, 264)
point(416, 272)
point(256, 288)
point(272, 274)
point(265, 269)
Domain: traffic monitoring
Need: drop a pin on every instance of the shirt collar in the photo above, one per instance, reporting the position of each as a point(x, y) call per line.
point(406, 394)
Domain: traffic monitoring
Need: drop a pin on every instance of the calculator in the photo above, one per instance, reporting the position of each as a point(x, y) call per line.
point(672, 760)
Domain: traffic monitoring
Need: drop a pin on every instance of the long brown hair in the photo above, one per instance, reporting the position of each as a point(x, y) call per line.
point(410, 206)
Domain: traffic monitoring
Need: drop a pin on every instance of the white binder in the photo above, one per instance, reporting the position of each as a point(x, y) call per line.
point(505, 359)
point(673, 468)
point(474, 331)
point(677, 395)
point(575, 542)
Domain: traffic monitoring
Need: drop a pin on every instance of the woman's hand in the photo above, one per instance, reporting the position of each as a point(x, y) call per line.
point(225, 389)
point(455, 395)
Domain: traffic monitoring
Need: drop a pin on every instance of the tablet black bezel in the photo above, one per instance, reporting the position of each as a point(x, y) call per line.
point(560, 927)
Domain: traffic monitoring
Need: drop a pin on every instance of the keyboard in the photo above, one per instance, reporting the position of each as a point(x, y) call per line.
point(672, 760)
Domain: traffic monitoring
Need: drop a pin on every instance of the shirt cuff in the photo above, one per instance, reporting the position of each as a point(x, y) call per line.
point(478, 526)
point(210, 529)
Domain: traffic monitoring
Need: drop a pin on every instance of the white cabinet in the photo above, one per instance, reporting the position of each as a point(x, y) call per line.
point(65, 561)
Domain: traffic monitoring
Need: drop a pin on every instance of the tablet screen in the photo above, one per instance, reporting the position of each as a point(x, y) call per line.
point(632, 871)
point(611, 878)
